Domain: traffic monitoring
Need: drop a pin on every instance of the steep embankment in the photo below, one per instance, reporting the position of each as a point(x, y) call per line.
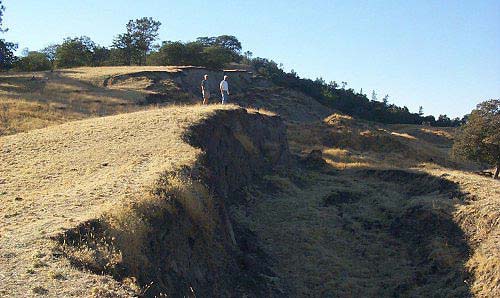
point(130, 197)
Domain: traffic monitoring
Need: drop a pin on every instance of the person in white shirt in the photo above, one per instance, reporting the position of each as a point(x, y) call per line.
point(224, 90)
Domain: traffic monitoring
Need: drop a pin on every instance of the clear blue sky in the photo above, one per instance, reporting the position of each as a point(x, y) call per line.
point(443, 55)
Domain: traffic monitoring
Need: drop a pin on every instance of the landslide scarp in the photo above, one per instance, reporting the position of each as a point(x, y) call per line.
point(208, 201)
point(179, 238)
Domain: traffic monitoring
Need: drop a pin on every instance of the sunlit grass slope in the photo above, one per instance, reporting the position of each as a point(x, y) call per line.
point(58, 177)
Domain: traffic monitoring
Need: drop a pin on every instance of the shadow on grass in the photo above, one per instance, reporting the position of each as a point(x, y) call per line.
point(392, 231)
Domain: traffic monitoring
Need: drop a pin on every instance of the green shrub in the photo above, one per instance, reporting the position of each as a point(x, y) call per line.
point(34, 61)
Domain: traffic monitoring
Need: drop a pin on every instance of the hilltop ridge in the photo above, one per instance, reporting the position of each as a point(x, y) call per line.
point(77, 93)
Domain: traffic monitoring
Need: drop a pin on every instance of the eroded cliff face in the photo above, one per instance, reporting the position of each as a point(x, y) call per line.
point(224, 259)
point(190, 245)
point(238, 147)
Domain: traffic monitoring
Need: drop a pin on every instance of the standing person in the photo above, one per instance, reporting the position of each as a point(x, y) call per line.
point(204, 89)
point(224, 90)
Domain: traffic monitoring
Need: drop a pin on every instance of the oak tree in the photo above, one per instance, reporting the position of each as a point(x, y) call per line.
point(479, 138)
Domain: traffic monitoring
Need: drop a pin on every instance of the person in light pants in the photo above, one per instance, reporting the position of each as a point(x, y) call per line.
point(224, 90)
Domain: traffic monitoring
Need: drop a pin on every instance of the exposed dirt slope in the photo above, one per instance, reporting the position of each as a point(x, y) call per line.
point(55, 182)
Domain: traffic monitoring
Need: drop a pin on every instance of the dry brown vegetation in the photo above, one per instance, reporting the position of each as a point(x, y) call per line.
point(71, 94)
point(55, 178)
point(354, 147)
point(36, 100)
point(362, 143)
point(389, 214)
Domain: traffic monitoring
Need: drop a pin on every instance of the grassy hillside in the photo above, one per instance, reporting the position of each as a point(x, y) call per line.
point(35, 100)
point(389, 198)
point(212, 200)
point(60, 96)
point(89, 203)
point(54, 179)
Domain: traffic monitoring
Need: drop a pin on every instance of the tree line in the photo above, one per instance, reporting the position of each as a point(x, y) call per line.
point(479, 138)
point(137, 46)
point(347, 100)
point(7, 49)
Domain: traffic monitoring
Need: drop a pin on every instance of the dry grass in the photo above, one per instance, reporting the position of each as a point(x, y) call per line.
point(21, 115)
point(124, 169)
point(54, 178)
point(77, 93)
point(344, 159)
point(367, 143)
point(439, 136)
point(349, 144)
point(128, 224)
point(333, 237)
point(96, 75)
point(54, 98)
point(71, 94)
point(480, 220)
point(261, 111)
